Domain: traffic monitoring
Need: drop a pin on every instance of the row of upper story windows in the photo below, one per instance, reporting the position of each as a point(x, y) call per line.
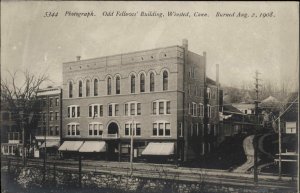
point(194, 129)
point(159, 107)
point(53, 102)
point(52, 116)
point(53, 131)
point(198, 91)
point(165, 80)
point(195, 110)
point(160, 129)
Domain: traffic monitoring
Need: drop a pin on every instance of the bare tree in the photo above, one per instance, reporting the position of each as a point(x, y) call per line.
point(19, 93)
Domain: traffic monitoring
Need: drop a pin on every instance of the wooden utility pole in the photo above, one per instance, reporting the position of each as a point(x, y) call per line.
point(255, 145)
point(79, 169)
point(45, 152)
point(279, 147)
point(131, 147)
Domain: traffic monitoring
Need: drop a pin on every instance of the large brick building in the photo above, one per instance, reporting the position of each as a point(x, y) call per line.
point(163, 91)
point(50, 120)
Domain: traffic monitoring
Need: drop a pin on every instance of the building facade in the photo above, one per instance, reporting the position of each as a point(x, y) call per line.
point(49, 121)
point(11, 134)
point(162, 95)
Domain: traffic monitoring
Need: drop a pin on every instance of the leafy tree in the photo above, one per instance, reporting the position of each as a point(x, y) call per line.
point(20, 98)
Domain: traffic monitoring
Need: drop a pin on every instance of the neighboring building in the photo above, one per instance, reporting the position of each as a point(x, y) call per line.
point(11, 134)
point(246, 108)
point(164, 92)
point(235, 121)
point(289, 119)
point(49, 122)
point(290, 129)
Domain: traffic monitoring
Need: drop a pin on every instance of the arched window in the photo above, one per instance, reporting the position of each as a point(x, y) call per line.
point(80, 89)
point(142, 83)
point(70, 90)
point(109, 86)
point(165, 80)
point(96, 87)
point(132, 80)
point(152, 82)
point(118, 89)
point(87, 88)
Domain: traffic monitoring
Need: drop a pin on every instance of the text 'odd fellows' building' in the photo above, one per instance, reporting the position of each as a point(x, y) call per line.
point(162, 95)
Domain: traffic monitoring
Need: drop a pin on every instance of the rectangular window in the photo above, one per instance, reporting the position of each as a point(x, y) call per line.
point(208, 129)
point(168, 129)
point(197, 129)
point(51, 116)
point(73, 112)
point(139, 108)
point(201, 109)
point(154, 129)
point(180, 130)
point(69, 114)
point(95, 110)
point(90, 129)
point(126, 109)
point(132, 108)
point(116, 110)
point(191, 129)
point(154, 108)
point(168, 107)
point(69, 129)
point(203, 148)
point(161, 129)
point(101, 110)
point(56, 115)
point(78, 111)
point(161, 108)
point(109, 110)
point(90, 111)
point(100, 129)
point(73, 129)
point(56, 130)
point(57, 101)
point(51, 102)
point(77, 130)
point(51, 131)
point(194, 109)
point(189, 108)
point(127, 129)
point(96, 126)
point(138, 129)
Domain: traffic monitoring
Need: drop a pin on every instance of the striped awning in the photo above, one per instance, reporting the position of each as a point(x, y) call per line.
point(93, 146)
point(70, 146)
point(152, 148)
point(50, 144)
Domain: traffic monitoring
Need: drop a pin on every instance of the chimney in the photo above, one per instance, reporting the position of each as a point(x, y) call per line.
point(217, 75)
point(185, 44)
point(78, 58)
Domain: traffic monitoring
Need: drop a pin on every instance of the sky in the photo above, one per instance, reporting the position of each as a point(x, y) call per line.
point(239, 45)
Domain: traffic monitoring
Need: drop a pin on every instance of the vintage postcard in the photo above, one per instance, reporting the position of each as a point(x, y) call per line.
point(177, 97)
